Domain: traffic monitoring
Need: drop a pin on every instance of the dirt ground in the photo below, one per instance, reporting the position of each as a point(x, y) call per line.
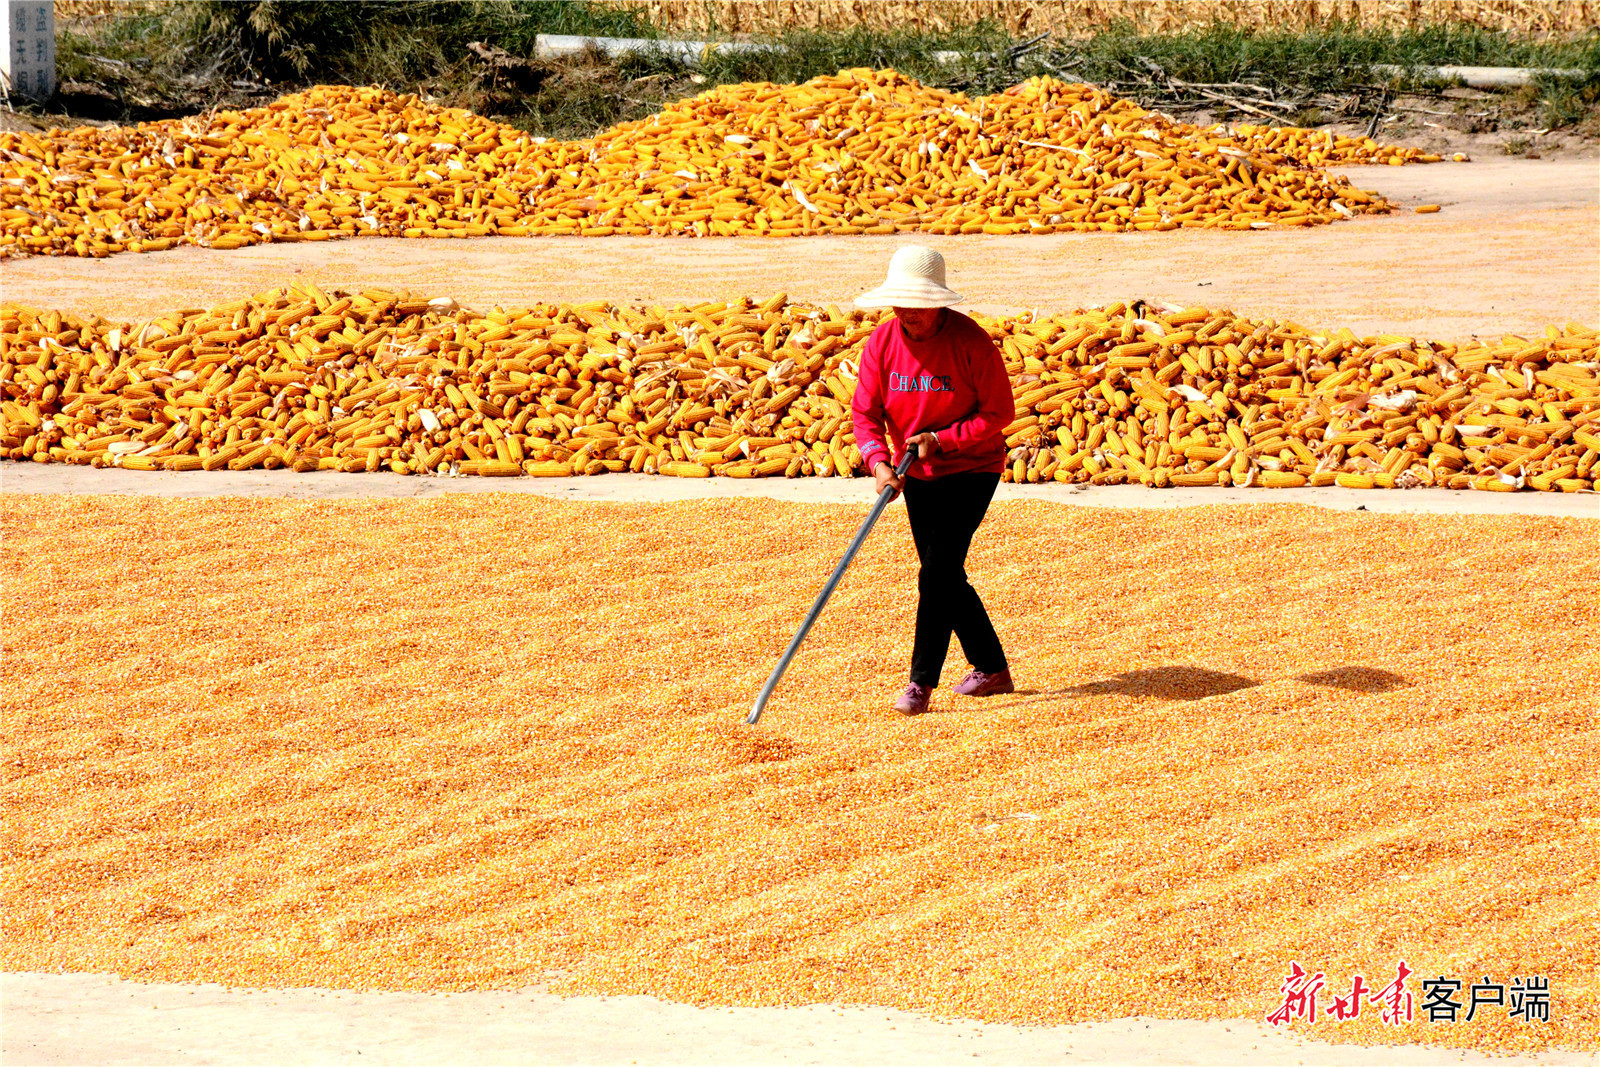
point(63, 478)
point(1513, 249)
point(111, 1021)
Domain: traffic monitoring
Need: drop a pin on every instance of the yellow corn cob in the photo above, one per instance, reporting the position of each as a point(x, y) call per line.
point(549, 387)
point(605, 187)
point(492, 468)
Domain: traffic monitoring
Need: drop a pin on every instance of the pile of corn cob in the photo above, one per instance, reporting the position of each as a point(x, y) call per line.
point(860, 152)
point(1160, 395)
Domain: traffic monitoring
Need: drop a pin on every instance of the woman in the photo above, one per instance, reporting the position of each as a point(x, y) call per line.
point(932, 380)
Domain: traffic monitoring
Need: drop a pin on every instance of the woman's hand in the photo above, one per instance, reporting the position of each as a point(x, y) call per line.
point(886, 479)
point(926, 443)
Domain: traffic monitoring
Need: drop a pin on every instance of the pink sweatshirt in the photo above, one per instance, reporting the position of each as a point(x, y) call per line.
point(954, 383)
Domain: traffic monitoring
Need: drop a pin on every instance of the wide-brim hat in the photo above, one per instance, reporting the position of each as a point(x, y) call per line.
point(915, 280)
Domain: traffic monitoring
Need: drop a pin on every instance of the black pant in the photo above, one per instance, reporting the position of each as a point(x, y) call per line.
point(944, 514)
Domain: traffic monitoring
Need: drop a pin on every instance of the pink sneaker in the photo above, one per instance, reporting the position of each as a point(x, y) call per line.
point(978, 684)
point(914, 701)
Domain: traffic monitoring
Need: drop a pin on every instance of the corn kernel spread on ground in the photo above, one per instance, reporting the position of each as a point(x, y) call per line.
point(447, 744)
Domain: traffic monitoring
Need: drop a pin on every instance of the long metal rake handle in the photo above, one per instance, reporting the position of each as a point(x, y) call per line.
point(827, 590)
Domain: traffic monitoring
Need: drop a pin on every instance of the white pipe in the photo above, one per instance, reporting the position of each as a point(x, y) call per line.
point(1477, 77)
point(555, 45)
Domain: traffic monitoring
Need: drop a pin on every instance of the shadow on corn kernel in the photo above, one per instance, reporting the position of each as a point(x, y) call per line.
point(1359, 679)
point(1168, 683)
point(1198, 683)
point(1164, 683)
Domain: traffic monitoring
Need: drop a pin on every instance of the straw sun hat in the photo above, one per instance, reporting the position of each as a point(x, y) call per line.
point(916, 280)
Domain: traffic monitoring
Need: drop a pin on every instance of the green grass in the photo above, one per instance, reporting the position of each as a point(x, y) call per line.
point(293, 43)
point(377, 41)
point(1563, 102)
point(802, 55)
point(1329, 59)
point(583, 97)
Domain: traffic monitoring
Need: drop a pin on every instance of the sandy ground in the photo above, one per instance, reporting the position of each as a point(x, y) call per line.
point(642, 488)
point(75, 1019)
point(1514, 249)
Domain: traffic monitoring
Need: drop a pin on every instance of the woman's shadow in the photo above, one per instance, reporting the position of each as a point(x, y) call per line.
point(1361, 679)
point(1197, 683)
point(1167, 683)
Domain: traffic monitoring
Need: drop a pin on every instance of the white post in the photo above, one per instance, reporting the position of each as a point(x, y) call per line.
point(29, 40)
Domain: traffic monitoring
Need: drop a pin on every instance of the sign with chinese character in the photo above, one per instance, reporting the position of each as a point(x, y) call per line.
point(28, 52)
point(1444, 999)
